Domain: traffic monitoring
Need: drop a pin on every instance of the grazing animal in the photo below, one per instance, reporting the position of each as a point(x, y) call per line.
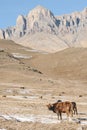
point(61, 107)
point(74, 108)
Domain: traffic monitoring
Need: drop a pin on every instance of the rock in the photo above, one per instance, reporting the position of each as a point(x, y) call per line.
point(20, 26)
point(2, 35)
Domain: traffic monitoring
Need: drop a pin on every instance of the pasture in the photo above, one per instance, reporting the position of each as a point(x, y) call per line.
point(28, 84)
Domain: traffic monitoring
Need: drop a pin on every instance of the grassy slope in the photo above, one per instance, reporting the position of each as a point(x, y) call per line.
point(69, 63)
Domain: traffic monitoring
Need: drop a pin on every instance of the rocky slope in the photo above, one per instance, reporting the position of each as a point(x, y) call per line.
point(41, 30)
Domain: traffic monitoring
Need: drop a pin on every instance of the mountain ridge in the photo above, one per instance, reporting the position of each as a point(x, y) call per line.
point(68, 30)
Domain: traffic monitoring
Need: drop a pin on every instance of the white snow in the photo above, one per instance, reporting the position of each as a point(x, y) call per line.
point(11, 84)
point(32, 118)
point(9, 91)
point(23, 97)
point(36, 51)
point(45, 119)
point(6, 117)
point(84, 122)
point(3, 129)
point(18, 55)
point(26, 91)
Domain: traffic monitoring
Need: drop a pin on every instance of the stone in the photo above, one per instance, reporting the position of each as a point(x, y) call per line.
point(2, 35)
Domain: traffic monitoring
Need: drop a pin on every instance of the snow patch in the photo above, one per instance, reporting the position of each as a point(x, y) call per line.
point(45, 119)
point(9, 91)
point(3, 129)
point(6, 117)
point(36, 51)
point(11, 84)
point(24, 91)
point(83, 122)
point(18, 55)
point(23, 97)
point(32, 118)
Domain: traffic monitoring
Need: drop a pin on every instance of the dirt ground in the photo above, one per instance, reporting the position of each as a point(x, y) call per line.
point(26, 89)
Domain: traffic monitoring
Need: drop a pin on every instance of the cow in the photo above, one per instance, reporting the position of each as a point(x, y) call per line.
point(74, 106)
point(61, 107)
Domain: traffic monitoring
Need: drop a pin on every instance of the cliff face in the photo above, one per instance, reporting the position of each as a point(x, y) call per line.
point(69, 29)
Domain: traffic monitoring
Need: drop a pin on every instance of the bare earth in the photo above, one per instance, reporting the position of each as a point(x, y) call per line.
point(30, 79)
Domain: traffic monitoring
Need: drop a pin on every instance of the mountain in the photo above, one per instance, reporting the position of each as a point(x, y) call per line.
point(41, 30)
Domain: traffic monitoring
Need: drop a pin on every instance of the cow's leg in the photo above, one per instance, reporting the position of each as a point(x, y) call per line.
point(76, 111)
point(67, 113)
point(71, 113)
point(58, 115)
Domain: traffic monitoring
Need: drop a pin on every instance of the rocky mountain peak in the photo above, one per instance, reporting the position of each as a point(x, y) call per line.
point(40, 12)
point(70, 29)
point(21, 25)
point(84, 12)
point(20, 19)
point(39, 19)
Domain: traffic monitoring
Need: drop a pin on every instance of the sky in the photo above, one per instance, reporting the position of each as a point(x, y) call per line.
point(10, 9)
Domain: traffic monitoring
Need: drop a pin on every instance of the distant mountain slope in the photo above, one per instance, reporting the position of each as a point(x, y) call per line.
point(43, 41)
point(40, 29)
point(70, 63)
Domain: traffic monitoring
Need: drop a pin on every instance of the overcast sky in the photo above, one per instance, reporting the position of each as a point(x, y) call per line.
point(10, 9)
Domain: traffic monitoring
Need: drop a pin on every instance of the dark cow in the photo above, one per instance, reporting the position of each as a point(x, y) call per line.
point(74, 106)
point(61, 107)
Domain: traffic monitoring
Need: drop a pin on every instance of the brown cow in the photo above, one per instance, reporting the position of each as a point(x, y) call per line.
point(74, 106)
point(61, 107)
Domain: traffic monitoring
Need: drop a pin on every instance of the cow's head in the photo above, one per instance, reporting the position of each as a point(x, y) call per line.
point(50, 106)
